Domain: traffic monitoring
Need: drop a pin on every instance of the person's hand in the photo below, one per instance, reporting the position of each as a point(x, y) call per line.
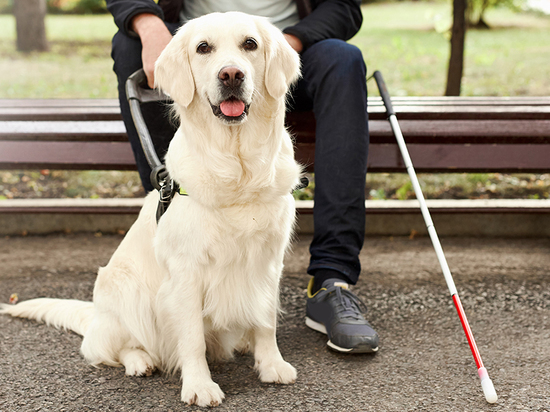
point(154, 37)
point(294, 42)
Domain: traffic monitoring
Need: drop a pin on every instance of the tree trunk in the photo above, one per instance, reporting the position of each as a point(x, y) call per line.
point(458, 37)
point(30, 25)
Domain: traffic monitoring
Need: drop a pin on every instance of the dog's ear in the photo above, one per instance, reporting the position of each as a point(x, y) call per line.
point(173, 71)
point(282, 63)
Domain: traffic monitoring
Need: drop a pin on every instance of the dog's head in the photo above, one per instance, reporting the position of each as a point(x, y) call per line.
point(224, 61)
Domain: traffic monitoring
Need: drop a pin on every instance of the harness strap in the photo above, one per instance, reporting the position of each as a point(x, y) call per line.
point(167, 191)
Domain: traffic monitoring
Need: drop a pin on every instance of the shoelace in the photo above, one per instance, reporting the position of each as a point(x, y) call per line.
point(347, 304)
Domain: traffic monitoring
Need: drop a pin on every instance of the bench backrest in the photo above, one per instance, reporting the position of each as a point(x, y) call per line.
point(443, 135)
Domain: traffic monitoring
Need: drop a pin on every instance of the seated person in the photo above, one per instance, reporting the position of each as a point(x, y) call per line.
point(333, 86)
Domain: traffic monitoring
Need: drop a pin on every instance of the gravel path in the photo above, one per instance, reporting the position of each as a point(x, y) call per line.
point(424, 363)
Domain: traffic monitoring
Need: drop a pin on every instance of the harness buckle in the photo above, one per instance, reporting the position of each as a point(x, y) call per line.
point(166, 193)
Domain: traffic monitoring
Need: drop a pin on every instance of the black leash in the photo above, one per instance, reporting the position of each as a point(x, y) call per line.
point(137, 94)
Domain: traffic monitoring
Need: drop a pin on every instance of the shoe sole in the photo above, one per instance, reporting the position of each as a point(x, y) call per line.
point(319, 327)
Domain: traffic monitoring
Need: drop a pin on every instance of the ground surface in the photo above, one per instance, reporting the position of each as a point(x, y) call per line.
point(424, 363)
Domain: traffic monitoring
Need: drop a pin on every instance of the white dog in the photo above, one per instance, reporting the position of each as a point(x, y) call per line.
point(206, 278)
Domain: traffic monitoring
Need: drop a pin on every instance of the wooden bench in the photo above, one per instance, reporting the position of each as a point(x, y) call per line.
point(443, 134)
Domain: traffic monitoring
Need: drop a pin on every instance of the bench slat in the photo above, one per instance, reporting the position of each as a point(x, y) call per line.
point(67, 155)
point(448, 131)
point(376, 113)
point(464, 112)
point(25, 103)
point(449, 158)
point(418, 131)
point(63, 131)
point(382, 157)
point(373, 100)
point(60, 113)
point(526, 108)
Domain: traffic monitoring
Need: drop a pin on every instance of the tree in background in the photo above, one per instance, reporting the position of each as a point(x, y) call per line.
point(30, 25)
point(458, 39)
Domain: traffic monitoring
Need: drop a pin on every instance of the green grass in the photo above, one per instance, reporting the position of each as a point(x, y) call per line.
point(64, 183)
point(67, 27)
point(384, 186)
point(77, 66)
point(408, 42)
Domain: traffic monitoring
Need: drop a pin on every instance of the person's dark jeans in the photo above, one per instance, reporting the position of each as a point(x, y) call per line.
point(334, 87)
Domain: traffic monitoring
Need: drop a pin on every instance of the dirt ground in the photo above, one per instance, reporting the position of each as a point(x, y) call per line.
point(424, 363)
point(55, 184)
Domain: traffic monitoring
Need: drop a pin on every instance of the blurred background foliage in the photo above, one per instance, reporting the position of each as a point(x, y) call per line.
point(64, 6)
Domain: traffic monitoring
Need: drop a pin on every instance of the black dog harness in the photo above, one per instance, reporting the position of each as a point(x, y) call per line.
point(167, 192)
point(168, 189)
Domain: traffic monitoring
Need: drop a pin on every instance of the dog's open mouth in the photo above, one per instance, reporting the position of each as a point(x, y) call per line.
point(231, 110)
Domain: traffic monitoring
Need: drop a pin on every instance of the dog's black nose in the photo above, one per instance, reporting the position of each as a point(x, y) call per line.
point(231, 76)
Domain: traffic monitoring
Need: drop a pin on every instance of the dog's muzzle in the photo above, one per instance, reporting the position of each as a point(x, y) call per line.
point(233, 108)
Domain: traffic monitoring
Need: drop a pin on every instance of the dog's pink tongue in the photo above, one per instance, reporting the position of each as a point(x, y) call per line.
point(232, 108)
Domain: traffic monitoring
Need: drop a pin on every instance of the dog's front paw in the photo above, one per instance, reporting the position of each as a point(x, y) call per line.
point(201, 394)
point(276, 372)
point(137, 363)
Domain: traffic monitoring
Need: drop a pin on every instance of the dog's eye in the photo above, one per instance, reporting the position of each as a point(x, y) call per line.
point(204, 48)
point(250, 44)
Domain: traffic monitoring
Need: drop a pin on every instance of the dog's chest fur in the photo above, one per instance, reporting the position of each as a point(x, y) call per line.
point(235, 253)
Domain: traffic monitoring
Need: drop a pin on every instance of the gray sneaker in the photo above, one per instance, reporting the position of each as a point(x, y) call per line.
point(335, 311)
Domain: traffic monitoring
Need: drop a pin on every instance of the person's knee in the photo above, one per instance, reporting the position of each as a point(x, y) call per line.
point(337, 55)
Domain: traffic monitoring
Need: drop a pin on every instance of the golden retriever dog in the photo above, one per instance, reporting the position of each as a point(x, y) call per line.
point(205, 279)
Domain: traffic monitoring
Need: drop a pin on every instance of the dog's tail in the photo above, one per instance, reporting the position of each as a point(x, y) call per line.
point(75, 315)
